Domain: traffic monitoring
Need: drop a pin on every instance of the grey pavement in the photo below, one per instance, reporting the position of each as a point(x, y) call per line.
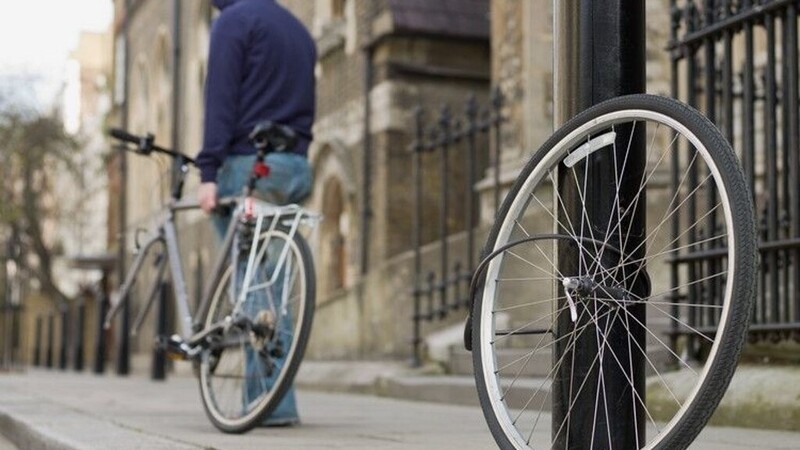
point(62, 410)
point(5, 444)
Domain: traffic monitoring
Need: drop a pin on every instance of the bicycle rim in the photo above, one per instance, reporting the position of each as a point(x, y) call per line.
point(542, 353)
point(242, 380)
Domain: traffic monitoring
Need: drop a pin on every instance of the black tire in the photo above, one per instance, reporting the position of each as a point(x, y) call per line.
point(300, 316)
point(735, 293)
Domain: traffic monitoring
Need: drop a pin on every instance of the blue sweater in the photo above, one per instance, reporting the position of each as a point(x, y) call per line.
point(260, 67)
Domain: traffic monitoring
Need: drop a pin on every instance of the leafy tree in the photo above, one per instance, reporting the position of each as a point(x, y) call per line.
point(34, 151)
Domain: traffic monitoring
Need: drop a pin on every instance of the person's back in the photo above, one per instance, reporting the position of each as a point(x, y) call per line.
point(261, 66)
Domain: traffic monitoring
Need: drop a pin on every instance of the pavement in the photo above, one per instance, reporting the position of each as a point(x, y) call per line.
point(67, 411)
point(5, 444)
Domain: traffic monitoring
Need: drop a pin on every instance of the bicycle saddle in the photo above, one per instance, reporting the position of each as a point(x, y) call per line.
point(273, 136)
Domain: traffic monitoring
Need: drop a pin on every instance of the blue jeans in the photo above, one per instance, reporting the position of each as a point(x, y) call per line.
point(289, 181)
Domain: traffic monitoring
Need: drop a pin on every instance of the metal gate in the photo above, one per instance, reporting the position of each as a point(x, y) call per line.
point(737, 62)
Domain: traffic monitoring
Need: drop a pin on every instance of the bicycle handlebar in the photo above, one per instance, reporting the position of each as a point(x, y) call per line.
point(145, 145)
point(123, 135)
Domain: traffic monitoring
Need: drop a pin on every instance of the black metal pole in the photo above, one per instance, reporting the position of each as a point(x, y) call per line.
point(99, 338)
point(471, 136)
point(64, 344)
point(159, 368)
point(48, 361)
point(176, 84)
point(417, 148)
point(708, 229)
point(444, 170)
point(600, 54)
point(15, 333)
point(77, 338)
point(690, 17)
point(37, 346)
point(793, 146)
point(123, 350)
point(770, 145)
point(675, 57)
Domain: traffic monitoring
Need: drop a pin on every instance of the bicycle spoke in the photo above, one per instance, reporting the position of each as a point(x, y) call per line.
point(611, 323)
point(528, 262)
point(511, 333)
point(523, 305)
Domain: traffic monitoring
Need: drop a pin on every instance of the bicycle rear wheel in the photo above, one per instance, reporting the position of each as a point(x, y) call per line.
point(248, 368)
point(570, 333)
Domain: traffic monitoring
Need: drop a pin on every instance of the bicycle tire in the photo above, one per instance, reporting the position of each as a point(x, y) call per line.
point(283, 381)
point(495, 301)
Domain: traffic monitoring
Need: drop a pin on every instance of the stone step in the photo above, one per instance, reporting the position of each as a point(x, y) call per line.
point(461, 390)
point(540, 364)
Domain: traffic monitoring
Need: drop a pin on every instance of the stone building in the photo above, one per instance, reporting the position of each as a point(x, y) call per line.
point(377, 61)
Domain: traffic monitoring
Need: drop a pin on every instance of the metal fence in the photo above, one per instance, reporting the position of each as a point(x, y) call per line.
point(737, 61)
point(68, 346)
point(438, 293)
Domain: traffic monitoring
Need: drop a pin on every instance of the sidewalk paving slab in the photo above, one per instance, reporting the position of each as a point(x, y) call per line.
point(62, 410)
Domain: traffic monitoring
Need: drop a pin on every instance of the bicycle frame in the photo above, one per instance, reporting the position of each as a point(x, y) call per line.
point(191, 324)
point(266, 137)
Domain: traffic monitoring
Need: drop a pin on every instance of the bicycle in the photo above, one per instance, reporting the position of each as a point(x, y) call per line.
point(248, 335)
point(563, 296)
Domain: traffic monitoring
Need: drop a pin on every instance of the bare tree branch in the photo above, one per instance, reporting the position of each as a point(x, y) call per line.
point(32, 147)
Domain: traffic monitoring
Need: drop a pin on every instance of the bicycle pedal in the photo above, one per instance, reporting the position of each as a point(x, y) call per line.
point(174, 347)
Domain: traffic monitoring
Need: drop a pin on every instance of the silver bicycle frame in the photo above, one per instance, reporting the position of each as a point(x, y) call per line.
point(291, 216)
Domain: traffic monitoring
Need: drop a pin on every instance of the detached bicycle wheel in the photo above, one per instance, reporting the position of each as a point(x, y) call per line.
point(248, 368)
point(619, 283)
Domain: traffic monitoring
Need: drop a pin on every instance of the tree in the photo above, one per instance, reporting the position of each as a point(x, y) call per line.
point(34, 147)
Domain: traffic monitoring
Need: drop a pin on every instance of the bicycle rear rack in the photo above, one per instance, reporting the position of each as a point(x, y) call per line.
point(268, 218)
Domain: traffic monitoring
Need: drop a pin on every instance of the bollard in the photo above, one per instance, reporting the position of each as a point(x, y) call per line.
point(159, 367)
point(37, 346)
point(48, 361)
point(64, 344)
point(101, 302)
point(77, 338)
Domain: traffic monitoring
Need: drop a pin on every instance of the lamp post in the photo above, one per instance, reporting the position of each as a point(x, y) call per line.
point(599, 54)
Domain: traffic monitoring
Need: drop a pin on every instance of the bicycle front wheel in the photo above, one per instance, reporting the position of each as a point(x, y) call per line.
point(615, 305)
point(250, 365)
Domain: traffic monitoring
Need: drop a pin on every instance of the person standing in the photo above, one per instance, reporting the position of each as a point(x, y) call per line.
point(260, 67)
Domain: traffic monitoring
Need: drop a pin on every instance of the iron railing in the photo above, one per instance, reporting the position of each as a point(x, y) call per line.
point(444, 290)
point(737, 61)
